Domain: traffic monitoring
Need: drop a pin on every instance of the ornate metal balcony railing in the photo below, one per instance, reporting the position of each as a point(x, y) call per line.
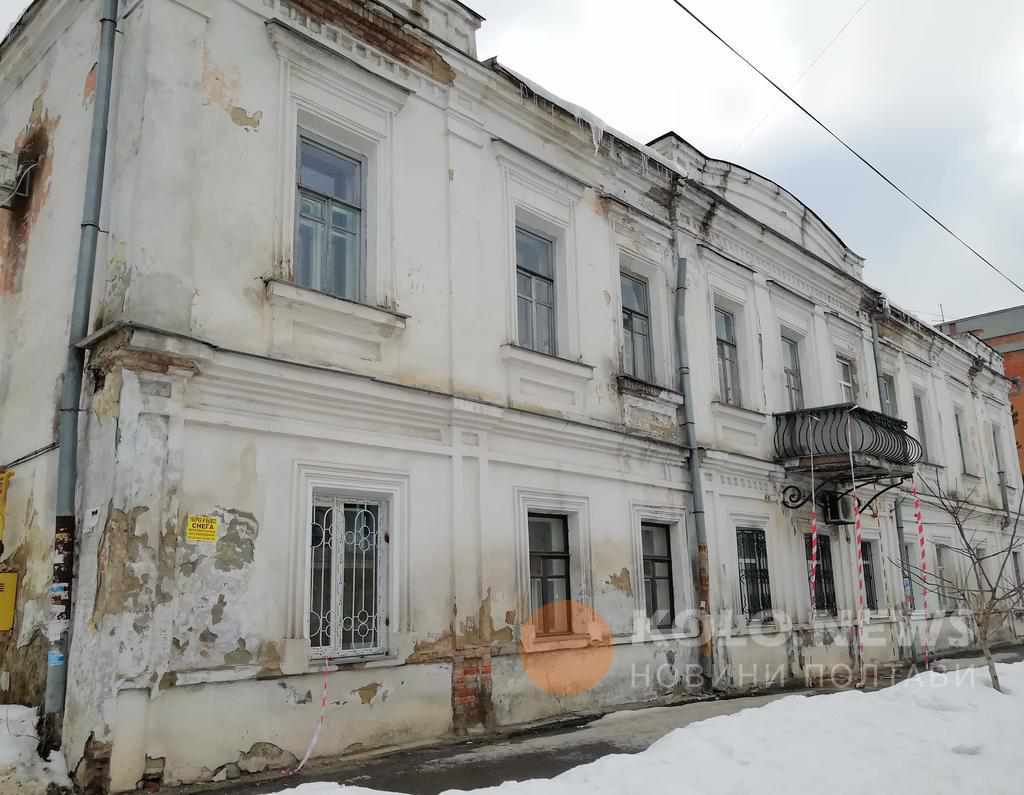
point(829, 432)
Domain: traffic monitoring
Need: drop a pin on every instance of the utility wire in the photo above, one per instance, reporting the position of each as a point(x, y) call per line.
point(846, 146)
point(805, 72)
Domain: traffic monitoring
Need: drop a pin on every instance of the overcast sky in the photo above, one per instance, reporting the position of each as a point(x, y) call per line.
point(932, 91)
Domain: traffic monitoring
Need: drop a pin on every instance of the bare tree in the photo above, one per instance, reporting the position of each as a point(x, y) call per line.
point(988, 585)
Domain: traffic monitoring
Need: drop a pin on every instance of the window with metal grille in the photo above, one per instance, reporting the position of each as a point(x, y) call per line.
point(791, 370)
point(922, 429)
point(887, 390)
point(549, 574)
point(755, 587)
point(847, 379)
point(867, 559)
point(824, 578)
point(1018, 576)
point(636, 328)
point(329, 250)
point(346, 576)
point(728, 358)
point(535, 289)
point(658, 592)
point(911, 564)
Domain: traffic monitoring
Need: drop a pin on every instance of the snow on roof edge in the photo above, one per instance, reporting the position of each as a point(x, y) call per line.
point(598, 126)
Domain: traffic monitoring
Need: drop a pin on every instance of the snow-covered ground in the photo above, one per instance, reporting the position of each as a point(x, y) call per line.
point(931, 735)
point(21, 769)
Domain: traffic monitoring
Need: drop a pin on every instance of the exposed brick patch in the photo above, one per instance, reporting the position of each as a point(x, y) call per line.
point(92, 776)
point(380, 29)
point(471, 690)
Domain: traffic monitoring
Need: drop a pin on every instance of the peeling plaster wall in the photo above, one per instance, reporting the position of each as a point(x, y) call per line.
point(183, 662)
point(47, 112)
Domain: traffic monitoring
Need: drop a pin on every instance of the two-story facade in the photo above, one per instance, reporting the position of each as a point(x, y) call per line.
point(384, 395)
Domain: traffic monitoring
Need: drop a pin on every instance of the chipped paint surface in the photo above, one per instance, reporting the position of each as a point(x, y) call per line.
point(221, 87)
point(379, 29)
point(621, 581)
point(368, 692)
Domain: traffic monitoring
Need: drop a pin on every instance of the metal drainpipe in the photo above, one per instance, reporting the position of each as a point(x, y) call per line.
point(67, 433)
point(703, 574)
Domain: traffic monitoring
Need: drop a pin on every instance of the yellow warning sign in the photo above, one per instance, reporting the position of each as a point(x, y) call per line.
point(8, 591)
point(202, 528)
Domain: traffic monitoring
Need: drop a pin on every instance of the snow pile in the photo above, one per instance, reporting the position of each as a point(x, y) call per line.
point(931, 735)
point(21, 769)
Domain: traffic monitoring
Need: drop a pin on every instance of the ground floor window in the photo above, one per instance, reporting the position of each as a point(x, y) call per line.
point(755, 587)
point(911, 564)
point(658, 575)
point(549, 574)
point(824, 578)
point(867, 559)
point(347, 544)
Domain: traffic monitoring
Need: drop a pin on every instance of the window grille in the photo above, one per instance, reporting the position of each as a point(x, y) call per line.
point(347, 549)
point(755, 587)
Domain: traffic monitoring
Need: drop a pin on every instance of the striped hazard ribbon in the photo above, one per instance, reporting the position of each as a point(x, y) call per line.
point(316, 732)
point(919, 518)
point(858, 539)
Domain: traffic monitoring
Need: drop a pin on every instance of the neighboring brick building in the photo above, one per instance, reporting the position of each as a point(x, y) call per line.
point(1004, 331)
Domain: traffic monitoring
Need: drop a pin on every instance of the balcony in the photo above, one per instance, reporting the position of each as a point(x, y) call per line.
point(829, 436)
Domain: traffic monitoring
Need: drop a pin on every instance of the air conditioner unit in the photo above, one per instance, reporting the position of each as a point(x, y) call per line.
point(13, 182)
point(838, 509)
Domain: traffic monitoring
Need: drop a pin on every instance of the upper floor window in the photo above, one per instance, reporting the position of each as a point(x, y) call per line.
point(636, 328)
point(728, 359)
point(922, 428)
point(887, 394)
point(997, 449)
point(847, 379)
point(958, 423)
point(791, 370)
point(329, 245)
point(535, 291)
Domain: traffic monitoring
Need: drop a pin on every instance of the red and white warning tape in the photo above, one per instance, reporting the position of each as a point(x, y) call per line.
point(316, 732)
point(919, 518)
point(858, 540)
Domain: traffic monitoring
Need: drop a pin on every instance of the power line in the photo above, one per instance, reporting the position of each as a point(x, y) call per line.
point(805, 72)
point(848, 148)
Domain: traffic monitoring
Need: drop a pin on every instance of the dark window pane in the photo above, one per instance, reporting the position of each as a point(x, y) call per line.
point(534, 253)
point(330, 174)
point(634, 294)
point(525, 309)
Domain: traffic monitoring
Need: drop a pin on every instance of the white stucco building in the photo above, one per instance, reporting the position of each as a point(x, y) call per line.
point(409, 330)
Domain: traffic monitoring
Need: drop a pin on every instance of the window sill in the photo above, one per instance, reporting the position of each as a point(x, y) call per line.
point(628, 385)
point(315, 326)
point(729, 408)
point(567, 367)
point(544, 383)
point(286, 293)
point(532, 642)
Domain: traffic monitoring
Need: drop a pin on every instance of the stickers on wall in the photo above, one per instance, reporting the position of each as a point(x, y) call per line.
point(8, 592)
point(202, 528)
